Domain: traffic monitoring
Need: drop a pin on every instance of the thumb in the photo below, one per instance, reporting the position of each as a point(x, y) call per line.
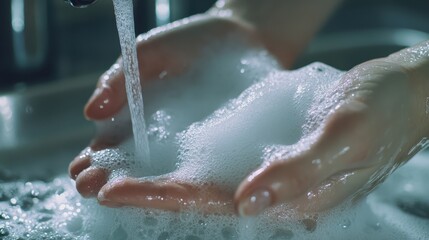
point(341, 145)
point(279, 182)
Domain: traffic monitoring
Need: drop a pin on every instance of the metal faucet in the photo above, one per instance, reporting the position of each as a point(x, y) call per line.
point(80, 3)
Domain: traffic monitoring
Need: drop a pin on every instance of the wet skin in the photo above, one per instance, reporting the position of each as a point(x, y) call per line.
point(377, 120)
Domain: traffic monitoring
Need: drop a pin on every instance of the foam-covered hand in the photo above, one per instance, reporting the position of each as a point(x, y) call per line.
point(166, 51)
point(163, 192)
point(372, 122)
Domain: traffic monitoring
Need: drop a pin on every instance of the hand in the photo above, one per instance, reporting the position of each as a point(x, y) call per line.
point(169, 51)
point(378, 118)
point(368, 98)
point(162, 192)
point(173, 48)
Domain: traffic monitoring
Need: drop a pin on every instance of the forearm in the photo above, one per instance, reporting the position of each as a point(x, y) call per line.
point(283, 26)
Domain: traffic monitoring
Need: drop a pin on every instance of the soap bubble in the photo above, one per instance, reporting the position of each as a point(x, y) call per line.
point(221, 125)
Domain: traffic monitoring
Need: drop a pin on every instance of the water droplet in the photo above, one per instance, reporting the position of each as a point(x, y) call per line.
point(317, 162)
point(163, 74)
point(310, 195)
point(346, 223)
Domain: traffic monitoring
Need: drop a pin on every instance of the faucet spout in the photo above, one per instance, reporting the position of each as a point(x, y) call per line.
point(80, 3)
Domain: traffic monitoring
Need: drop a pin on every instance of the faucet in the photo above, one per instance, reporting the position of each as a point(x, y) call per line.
point(80, 3)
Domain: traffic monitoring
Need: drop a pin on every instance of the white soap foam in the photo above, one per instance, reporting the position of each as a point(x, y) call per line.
point(216, 124)
point(229, 144)
point(176, 103)
point(231, 121)
point(398, 209)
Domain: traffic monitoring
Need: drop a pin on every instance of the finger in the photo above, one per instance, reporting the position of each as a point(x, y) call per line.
point(341, 145)
point(110, 138)
point(112, 132)
point(80, 163)
point(277, 183)
point(165, 195)
point(99, 143)
point(109, 96)
point(90, 181)
point(334, 191)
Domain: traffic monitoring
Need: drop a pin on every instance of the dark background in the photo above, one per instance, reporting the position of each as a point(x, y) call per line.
point(84, 41)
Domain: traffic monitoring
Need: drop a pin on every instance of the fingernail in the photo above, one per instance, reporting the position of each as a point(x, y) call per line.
point(107, 202)
point(102, 196)
point(255, 203)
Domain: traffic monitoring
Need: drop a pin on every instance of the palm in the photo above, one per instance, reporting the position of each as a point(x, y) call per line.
point(363, 134)
point(166, 51)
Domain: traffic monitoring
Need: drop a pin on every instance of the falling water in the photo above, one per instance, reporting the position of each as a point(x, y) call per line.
point(125, 24)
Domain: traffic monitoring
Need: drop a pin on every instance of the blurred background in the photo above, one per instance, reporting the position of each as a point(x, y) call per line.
point(47, 40)
point(51, 55)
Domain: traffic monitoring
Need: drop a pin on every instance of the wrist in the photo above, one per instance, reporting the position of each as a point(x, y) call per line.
point(284, 27)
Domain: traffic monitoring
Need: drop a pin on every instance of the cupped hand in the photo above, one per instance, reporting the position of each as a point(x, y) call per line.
point(162, 192)
point(162, 53)
point(370, 127)
point(374, 122)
